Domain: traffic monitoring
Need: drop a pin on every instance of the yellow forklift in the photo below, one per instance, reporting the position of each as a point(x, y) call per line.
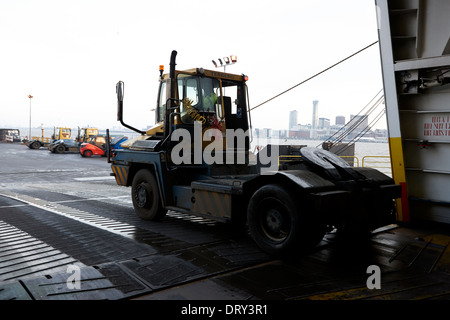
point(85, 133)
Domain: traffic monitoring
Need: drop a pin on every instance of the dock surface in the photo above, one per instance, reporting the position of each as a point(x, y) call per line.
point(64, 219)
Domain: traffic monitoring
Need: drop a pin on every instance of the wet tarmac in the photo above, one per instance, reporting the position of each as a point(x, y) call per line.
point(68, 232)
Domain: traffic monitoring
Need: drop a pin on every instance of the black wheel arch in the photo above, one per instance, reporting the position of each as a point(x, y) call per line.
point(301, 184)
point(251, 186)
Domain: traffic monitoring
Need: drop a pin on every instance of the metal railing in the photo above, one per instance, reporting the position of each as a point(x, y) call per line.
point(280, 160)
point(381, 163)
point(352, 163)
point(42, 139)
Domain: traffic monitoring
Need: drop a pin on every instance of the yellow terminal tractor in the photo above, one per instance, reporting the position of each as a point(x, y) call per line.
point(58, 133)
point(195, 160)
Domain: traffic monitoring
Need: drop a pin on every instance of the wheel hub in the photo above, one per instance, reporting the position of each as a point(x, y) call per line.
point(274, 224)
point(141, 195)
point(274, 220)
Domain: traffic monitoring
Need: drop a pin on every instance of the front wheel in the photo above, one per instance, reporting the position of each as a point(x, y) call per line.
point(145, 196)
point(278, 224)
point(87, 153)
point(59, 149)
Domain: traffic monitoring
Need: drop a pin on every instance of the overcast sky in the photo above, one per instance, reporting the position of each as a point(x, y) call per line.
point(70, 54)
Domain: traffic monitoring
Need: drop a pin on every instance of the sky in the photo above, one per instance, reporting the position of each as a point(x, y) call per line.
point(69, 55)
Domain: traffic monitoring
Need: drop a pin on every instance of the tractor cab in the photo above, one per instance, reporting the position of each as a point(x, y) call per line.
point(216, 99)
point(62, 133)
point(201, 117)
point(211, 106)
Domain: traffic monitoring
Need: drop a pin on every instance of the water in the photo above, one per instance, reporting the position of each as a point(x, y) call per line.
point(361, 148)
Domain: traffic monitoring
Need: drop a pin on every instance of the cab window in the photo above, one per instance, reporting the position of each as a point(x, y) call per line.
point(188, 90)
point(65, 133)
point(199, 96)
point(161, 102)
point(101, 140)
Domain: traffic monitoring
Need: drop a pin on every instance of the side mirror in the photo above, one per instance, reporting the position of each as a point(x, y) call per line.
point(120, 91)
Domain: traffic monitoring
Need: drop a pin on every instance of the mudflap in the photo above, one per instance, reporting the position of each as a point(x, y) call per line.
point(120, 172)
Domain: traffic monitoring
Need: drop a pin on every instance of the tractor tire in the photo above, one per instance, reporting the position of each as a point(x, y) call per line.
point(87, 153)
point(35, 145)
point(279, 224)
point(145, 196)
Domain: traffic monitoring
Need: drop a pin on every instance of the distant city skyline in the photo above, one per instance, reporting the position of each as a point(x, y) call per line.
point(315, 123)
point(322, 128)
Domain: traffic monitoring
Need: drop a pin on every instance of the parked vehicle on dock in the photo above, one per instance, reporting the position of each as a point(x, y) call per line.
point(58, 133)
point(9, 135)
point(64, 146)
point(85, 133)
point(96, 146)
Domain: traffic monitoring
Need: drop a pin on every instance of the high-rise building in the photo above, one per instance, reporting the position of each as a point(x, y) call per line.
point(315, 115)
point(324, 123)
point(293, 119)
point(340, 120)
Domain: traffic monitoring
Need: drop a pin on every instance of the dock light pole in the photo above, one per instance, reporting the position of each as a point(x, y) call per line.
point(29, 128)
point(227, 61)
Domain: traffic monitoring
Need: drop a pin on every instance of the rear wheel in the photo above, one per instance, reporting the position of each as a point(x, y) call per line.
point(278, 224)
point(60, 149)
point(145, 196)
point(35, 145)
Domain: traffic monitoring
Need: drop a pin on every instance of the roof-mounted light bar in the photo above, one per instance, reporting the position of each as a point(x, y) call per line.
point(225, 61)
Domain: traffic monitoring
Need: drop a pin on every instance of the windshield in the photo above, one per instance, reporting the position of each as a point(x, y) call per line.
point(199, 96)
point(63, 133)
